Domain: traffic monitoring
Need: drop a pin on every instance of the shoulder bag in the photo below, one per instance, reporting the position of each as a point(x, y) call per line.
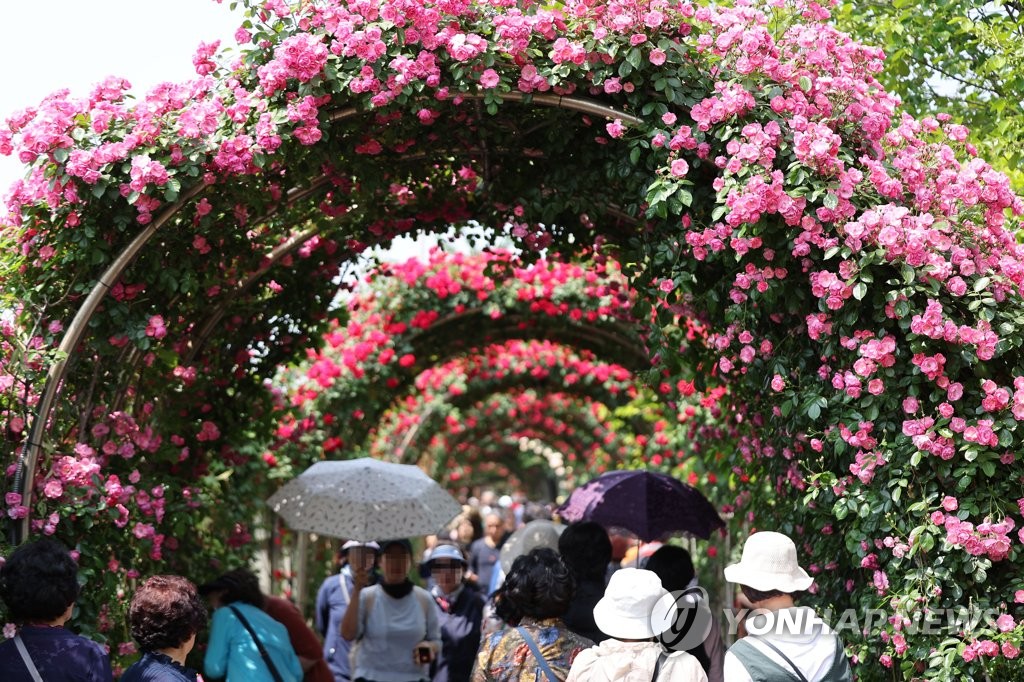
point(259, 645)
point(32, 670)
point(548, 672)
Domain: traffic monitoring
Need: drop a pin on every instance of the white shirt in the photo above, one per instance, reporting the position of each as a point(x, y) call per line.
point(615, 661)
point(811, 644)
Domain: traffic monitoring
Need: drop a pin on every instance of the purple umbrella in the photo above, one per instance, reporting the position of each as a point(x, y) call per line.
point(651, 505)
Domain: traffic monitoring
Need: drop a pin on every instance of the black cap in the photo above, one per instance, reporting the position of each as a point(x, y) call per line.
point(385, 544)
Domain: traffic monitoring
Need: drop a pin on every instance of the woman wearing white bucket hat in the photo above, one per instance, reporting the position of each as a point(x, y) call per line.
point(784, 641)
point(634, 610)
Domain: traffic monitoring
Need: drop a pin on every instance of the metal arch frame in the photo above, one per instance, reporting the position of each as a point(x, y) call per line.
point(427, 413)
point(24, 478)
point(474, 396)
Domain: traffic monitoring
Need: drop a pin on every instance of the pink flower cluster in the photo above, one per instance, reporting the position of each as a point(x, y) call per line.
point(988, 539)
point(732, 100)
point(932, 324)
point(202, 58)
point(989, 649)
point(301, 56)
point(816, 145)
point(464, 47)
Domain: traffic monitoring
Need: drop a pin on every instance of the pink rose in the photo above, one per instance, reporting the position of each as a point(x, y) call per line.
point(988, 648)
point(53, 489)
point(950, 503)
point(489, 78)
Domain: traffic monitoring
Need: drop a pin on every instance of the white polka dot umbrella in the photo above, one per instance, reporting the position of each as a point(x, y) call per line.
point(364, 499)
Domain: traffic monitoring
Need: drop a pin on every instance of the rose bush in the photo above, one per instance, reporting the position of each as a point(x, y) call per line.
point(853, 271)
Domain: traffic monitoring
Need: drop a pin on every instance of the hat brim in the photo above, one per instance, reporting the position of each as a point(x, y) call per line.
point(355, 544)
point(616, 624)
point(452, 555)
point(795, 581)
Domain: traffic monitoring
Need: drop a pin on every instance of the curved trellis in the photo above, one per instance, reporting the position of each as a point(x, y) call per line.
point(455, 393)
point(417, 314)
point(573, 425)
point(855, 272)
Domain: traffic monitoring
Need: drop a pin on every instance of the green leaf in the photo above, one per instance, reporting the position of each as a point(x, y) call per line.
point(635, 57)
point(805, 83)
point(859, 291)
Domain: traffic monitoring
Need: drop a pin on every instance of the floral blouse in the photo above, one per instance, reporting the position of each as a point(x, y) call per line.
point(505, 656)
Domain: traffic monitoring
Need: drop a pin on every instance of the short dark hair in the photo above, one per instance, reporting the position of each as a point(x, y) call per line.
point(404, 543)
point(39, 581)
point(756, 596)
point(539, 585)
point(165, 611)
point(673, 565)
point(239, 584)
point(586, 550)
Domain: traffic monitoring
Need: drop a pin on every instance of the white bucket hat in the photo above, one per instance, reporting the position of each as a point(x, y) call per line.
point(769, 563)
point(628, 609)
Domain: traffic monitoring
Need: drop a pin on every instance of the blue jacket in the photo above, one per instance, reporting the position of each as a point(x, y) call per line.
point(331, 601)
point(233, 654)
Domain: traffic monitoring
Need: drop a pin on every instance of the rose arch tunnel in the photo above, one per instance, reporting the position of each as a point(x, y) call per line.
point(741, 258)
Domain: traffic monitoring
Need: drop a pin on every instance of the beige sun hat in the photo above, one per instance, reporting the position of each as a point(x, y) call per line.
point(769, 563)
point(630, 606)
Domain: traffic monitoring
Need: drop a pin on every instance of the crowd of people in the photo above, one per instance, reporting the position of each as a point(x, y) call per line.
point(563, 609)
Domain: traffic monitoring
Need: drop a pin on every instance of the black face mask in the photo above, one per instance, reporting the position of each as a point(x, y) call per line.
point(398, 590)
